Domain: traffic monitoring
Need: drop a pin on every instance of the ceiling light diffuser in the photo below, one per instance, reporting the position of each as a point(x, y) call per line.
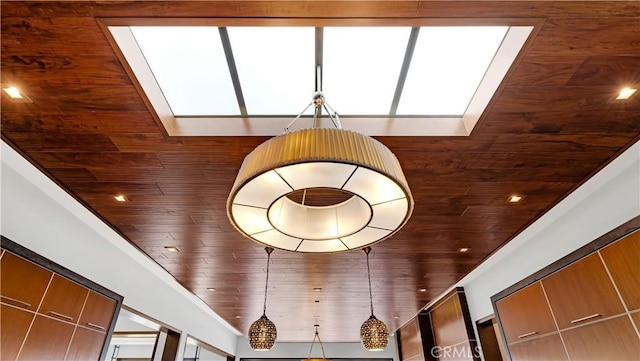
point(626, 93)
point(13, 92)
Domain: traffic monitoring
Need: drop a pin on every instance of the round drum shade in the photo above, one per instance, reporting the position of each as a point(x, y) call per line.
point(378, 200)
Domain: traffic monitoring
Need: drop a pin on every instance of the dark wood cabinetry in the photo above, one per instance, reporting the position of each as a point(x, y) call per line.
point(582, 307)
point(623, 261)
point(613, 339)
point(47, 340)
point(64, 299)
point(97, 312)
point(85, 345)
point(548, 348)
point(443, 331)
point(636, 319)
point(14, 325)
point(23, 283)
point(529, 314)
point(49, 313)
point(582, 292)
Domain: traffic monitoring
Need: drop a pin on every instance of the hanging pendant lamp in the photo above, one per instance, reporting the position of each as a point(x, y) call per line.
point(317, 336)
point(322, 189)
point(374, 334)
point(263, 333)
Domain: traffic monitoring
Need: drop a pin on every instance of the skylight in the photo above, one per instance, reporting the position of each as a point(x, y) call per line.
point(383, 80)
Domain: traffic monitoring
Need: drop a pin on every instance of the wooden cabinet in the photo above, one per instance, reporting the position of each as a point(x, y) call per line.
point(585, 317)
point(613, 339)
point(447, 323)
point(14, 324)
point(623, 261)
point(636, 319)
point(47, 313)
point(23, 283)
point(525, 314)
point(411, 341)
point(582, 292)
point(47, 340)
point(97, 312)
point(547, 348)
point(85, 345)
point(64, 299)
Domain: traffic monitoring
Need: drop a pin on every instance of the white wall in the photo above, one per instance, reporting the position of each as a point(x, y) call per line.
point(40, 216)
point(604, 202)
point(301, 350)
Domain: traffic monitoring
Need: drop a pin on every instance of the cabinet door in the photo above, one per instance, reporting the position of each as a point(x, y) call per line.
point(636, 319)
point(64, 299)
point(525, 313)
point(85, 345)
point(23, 283)
point(447, 323)
point(613, 339)
point(582, 292)
point(547, 348)
point(623, 261)
point(98, 312)
point(47, 340)
point(14, 324)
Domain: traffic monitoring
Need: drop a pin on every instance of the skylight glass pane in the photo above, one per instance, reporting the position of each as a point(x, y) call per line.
point(447, 66)
point(190, 67)
point(275, 66)
point(361, 67)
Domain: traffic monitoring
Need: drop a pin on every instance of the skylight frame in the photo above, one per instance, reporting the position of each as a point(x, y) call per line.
point(380, 125)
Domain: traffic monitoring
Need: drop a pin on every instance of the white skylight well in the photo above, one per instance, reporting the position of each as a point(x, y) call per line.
point(361, 67)
point(190, 67)
point(382, 80)
point(447, 66)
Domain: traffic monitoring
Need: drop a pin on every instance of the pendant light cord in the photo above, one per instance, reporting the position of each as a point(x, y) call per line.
point(266, 284)
point(366, 251)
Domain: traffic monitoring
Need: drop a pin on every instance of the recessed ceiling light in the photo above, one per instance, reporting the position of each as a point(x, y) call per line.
point(317, 289)
point(463, 249)
point(120, 198)
point(238, 316)
point(171, 249)
point(515, 198)
point(626, 93)
point(211, 289)
point(422, 290)
point(396, 317)
point(13, 92)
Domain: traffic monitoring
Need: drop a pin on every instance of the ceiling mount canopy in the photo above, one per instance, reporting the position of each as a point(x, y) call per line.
point(320, 189)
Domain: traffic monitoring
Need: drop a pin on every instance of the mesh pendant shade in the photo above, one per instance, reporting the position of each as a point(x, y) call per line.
point(374, 334)
point(262, 334)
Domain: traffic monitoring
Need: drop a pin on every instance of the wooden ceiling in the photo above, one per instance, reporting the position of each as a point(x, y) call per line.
point(552, 124)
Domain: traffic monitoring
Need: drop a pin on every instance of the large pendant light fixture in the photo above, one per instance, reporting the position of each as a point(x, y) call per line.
point(320, 189)
point(263, 333)
point(374, 334)
point(317, 336)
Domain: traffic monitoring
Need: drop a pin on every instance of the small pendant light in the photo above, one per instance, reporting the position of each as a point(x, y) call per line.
point(374, 334)
point(263, 333)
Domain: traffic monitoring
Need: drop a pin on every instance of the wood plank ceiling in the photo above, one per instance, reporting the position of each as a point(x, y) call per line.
point(552, 124)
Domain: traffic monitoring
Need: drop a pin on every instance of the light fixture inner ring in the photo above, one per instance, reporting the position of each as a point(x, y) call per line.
point(299, 219)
